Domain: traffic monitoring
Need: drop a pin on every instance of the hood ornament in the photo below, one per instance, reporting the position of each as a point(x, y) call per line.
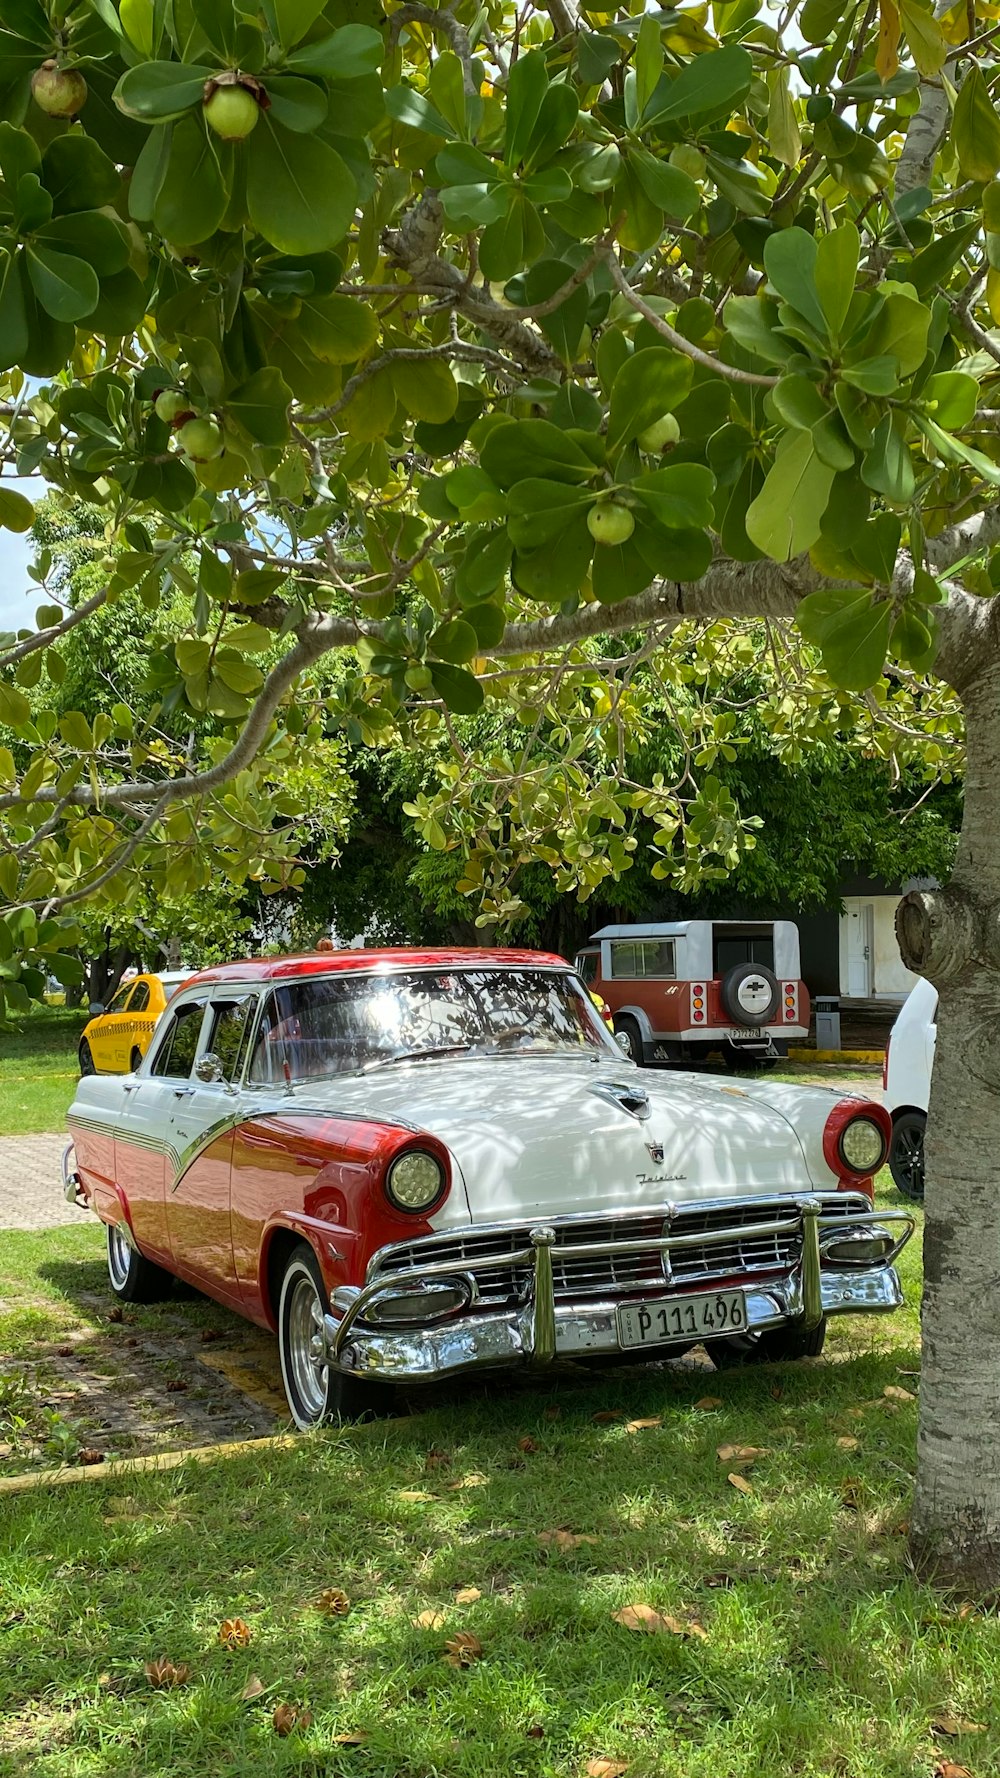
point(634, 1100)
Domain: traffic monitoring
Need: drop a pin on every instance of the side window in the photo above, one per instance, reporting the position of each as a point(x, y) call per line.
point(269, 1051)
point(175, 1055)
point(586, 966)
point(140, 999)
point(647, 957)
point(120, 1001)
point(230, 1033)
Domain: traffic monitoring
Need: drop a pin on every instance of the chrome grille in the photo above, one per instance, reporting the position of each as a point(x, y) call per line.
point(616, 1274)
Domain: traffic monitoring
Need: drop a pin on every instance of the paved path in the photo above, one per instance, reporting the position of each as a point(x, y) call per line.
point(31, 1183)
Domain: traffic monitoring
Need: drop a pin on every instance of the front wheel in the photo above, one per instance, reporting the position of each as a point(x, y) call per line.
point(629, 1039)
point(776, 1345)
point(316, 1393)
point(133, 1278)
point(906, 1154)
point(86, 1056)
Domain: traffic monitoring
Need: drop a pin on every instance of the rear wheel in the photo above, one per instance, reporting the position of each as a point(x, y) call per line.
point(630, 1039)
point(315, 1392)
point(906, 1154)
point(777, 1345)
point(133, 1278)
point(86, 1056)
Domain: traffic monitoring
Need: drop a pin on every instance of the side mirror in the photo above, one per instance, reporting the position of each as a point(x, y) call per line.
point(96, 1008)
point(208, 1068)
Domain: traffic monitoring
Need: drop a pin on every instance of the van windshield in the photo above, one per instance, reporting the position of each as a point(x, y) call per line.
point(345, 1024)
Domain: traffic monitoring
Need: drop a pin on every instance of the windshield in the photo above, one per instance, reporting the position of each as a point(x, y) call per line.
point(340, 1024)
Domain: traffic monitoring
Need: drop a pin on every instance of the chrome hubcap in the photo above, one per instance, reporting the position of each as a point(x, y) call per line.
point(625, 1043)
point(118, 1258)
point(309, 1371)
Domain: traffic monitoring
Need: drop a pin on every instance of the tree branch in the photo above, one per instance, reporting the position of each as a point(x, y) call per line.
point(42, 638)
point(678, 341)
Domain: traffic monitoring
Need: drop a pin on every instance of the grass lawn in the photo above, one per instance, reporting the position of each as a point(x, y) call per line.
point(38, 1071)
point(792, 1638)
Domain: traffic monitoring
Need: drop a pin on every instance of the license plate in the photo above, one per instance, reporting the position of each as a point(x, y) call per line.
point(682, 1317)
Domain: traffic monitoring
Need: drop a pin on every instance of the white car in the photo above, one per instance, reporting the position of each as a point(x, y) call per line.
point(416, 1163)
point(906, 1076)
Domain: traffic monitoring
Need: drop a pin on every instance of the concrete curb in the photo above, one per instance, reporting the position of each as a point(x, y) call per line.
point(875, 1057)
point(121, 1468)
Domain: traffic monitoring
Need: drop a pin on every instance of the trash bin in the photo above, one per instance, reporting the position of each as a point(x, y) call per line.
point(827, 1022)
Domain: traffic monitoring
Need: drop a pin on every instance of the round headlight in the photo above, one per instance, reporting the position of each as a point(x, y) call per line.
point(415, 1180)
point(862, 1145)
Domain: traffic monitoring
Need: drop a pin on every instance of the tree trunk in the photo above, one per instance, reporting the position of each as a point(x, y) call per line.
point(953, 937)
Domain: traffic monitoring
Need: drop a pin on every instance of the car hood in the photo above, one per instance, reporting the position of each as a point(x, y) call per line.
point(543, 1136)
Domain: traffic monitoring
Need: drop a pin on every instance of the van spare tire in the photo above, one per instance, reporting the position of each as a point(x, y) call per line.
point(750, 995)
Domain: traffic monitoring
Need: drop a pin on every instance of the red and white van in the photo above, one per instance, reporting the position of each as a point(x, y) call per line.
point(680, 990)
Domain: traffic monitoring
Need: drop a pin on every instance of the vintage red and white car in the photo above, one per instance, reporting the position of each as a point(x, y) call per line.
point(417, 1163)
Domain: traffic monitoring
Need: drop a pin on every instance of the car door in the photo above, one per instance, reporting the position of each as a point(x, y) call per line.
point(135, 1024)
point(143, 1133)
point(106, 1037)
point(203, 1121)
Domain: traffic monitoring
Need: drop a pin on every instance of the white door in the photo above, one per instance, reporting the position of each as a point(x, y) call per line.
point(860, 925)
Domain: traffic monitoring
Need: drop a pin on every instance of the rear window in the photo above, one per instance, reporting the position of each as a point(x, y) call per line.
point(755, 947)
point(643, 957)
point(170, 989)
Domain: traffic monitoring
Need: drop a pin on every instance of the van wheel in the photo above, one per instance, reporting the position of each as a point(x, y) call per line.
point(906, 1154)
point(133, 1278)
point(777, 1345)
point(316, 1394)
point(630, 1039)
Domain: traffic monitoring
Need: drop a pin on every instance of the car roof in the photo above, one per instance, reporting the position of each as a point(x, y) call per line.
point(256, 969)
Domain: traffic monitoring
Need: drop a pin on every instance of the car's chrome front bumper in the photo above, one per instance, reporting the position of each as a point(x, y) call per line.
point(540, 1329)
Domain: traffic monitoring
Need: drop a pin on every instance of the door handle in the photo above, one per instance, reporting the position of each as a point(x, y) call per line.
point(183, 1092)
point(129, 1086)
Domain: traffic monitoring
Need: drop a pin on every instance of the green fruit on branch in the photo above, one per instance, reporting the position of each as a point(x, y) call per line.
point(232, 112)
point(170, 404)
point(419, 678)
point(663, 431)
point(689, 160)
point(610, 522)
point(59, 92)
point(201, 440)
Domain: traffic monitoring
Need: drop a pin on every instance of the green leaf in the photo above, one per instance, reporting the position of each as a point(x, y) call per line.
point(483, 567)
point(300, 193)
point(798, 402)
point(679, 495)
point(16, 511)
point(352, 51)
point(13, 316)
point(835, 270)
point(708, 84)
point(620, 570)
point(783, 134)
point(454, 641)
point(489, 622)
point(648, 59)
point(875, 376)
point(522, 448)
point(192, 198)
point(752, 321)
point(670, 189)
point(557, 570)
point(14, 707)
point(784, 520)
point(457, 688)
point(952, 397)
point(648, 385)
point(596, 55)
point(900, 331)
point(514, 241)
point(411, 108)
point(293, 18)
point(927, 41)
point(851, 628)
point(260, 406)
point(790, 258)
point(340, 329)
point(527, 85)
point(540, 510)
point(158, 92)
point(913, 639)
point(193, 655)
point(426, 388)
point(76, 730)
point(67, 288)
point(298, 104)
point(888, 467)
point(90, 236)
point(975, 129)
point(78, 175)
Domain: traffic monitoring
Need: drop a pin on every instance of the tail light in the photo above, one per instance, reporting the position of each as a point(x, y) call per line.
point(856, 1142)
point(697, 1003)
point(790, 1002)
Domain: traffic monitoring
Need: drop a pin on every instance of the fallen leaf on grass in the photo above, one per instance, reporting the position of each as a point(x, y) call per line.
point(740, 1453)
point(854, 1413)
point(177, 1385)
point(708, 1404)
point(606, 1768)
point(254, 1688)
point(640, 1426)
point(529, 1445)
point(656, 1623)
point(430, 1620)
point(847, 1444)
point(64, 1351)
point(564, 1540)
point(552, 1412)
point(414, 1494)
point(116, 1315)
point(947, 1768)
point(164, 1676)
point(210, 1334)
point(288, 1717)
point(334, 1602)
point(436, 1459)
point(956, 1725)
point(90, 1454)
point(536, 1732)
point(606, 1414)
point(234, 1633)
point(851, 1491)
point(353, 1738)
point(463, 1649)
point(739, 1482)
point(467, 1596)
point(893, 1392)
point(475, 1480)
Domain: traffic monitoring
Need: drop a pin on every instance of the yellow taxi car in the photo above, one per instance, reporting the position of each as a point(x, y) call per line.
point(117, 1037)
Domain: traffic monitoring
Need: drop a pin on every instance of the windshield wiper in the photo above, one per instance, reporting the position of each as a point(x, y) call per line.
point(448, 1049)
